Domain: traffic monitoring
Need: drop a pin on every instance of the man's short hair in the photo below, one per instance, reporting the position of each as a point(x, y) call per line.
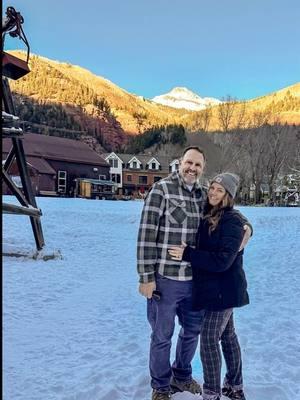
point(197, 148)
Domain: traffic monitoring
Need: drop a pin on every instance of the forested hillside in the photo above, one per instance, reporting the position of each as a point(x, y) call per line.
point(65, 100)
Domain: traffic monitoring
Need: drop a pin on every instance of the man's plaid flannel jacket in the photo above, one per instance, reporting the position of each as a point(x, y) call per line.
point(171, 214)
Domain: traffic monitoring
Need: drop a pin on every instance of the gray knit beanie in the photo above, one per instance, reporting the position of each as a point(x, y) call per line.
point(229, 181)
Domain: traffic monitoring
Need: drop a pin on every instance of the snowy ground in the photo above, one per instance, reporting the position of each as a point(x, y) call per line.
point(75, 328)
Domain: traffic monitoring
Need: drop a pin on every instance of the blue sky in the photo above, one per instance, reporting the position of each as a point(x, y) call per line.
point(215, 48)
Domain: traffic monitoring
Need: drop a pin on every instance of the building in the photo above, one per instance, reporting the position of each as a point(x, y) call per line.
point(135, 174)
point(56, 164)
point(116, 169)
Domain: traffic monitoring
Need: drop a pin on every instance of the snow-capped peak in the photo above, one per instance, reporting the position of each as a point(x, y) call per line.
point(181, 97)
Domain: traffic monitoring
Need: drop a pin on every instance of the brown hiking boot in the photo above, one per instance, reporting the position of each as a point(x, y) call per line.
point(160, 395)
point(190, 386)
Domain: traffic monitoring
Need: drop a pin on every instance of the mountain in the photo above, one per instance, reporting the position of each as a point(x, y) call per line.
point(91, 99)
point(181, 97)
point(65, 99)
point(283, 104)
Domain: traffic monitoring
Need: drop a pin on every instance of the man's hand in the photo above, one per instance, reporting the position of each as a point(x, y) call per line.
point(246, 237)
point(146, 289)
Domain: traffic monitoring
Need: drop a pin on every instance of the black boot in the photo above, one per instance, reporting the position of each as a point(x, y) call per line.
point(233, 394)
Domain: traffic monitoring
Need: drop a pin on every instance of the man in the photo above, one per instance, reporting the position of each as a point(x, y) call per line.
point(171, 215)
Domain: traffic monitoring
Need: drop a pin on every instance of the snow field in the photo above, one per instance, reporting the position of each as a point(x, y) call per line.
point(75, 328)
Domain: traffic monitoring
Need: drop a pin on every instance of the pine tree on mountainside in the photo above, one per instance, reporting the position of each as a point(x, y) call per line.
point(174, 134)
point(48, 82)
point(178, 136)
point(53, 115)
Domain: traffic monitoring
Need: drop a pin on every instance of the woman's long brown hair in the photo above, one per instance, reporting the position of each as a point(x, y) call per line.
point(213, 214)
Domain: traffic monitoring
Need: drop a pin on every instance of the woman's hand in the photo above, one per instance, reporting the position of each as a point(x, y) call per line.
point(246, 237)
point(176, 252)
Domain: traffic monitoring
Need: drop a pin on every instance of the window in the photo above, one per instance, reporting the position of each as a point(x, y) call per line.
point(102, 177)
point(116, 178)
point(113, 162)
point(134, 164)
point(61, 181)
point(143, 179)
point(153, 165)
point(157, 178)
point(129, 178)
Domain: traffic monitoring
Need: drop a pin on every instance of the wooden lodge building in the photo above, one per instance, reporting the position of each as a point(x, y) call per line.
point(62, 167)
point(70, 168)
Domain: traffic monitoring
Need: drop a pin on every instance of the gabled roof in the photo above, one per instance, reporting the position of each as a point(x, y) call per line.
point(107, 155)
point(145, 158)
point(56, 148)
point(127, 157)
point(153, 159)
point(135, 158)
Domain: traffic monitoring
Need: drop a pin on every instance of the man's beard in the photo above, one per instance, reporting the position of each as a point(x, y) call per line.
point(189, 179)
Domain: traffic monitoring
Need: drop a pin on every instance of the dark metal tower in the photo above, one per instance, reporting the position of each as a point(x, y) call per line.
point(15, 68)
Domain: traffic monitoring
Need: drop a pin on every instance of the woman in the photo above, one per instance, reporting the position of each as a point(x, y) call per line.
point(219, 285)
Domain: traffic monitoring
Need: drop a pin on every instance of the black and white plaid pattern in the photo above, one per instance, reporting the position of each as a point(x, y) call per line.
point(171, 214)
point(216, 326)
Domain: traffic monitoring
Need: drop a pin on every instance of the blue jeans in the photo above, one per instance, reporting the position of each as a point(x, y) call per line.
point(176, 299)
